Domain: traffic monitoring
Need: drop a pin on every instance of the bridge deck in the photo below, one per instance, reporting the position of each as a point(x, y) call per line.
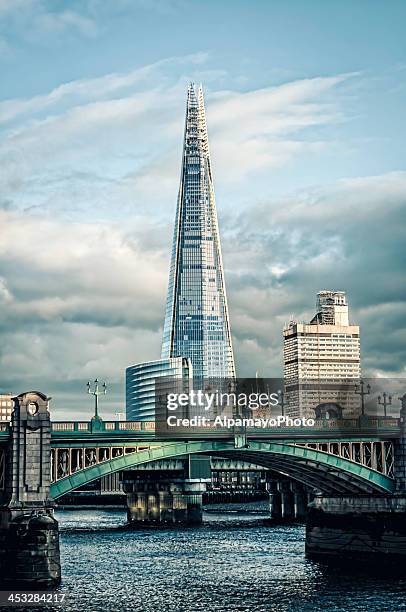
point(77, 432)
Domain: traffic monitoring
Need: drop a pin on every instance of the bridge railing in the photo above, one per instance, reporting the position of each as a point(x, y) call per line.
point(108, 426)
point(337, 425)
point(345, 424)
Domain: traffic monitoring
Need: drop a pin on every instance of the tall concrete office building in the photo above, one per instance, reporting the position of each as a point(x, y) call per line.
point(197, 324)
point(196, 339)
point(322, 360)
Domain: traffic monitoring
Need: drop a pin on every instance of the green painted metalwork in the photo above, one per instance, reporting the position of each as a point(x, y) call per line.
point(168, 450)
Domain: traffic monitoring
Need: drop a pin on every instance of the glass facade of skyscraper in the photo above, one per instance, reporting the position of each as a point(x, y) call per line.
point(196, 334)
point(196, 321)
point(143, 379)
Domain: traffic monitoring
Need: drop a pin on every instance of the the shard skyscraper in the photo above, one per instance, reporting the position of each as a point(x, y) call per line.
point(197, 324)
point(196, 345)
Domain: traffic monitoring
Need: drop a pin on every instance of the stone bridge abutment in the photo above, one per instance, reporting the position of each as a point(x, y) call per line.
point(29, 536)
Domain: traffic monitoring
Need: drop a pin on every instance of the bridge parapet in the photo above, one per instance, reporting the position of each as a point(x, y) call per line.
point(322, 427)
point(104, 426)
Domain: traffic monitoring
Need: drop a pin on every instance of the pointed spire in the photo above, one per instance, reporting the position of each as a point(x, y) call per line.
point(191, 96)
point(196, 322)
point(202, 123)
point(196, 140)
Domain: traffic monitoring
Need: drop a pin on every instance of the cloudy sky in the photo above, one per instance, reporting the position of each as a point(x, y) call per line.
point(306, 115)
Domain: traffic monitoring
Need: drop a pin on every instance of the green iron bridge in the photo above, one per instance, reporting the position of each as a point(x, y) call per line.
point(335, 456)
point(341, 476)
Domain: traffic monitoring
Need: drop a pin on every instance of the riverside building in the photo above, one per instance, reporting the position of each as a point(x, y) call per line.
point(143, 381)
point(322, 360)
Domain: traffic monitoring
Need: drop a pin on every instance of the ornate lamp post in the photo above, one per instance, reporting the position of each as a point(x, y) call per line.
point(96, 392)
point(359, 390)
point(385, 401)
point(402, 414)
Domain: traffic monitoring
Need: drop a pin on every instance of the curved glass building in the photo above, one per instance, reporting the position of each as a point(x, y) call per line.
point(142, 380)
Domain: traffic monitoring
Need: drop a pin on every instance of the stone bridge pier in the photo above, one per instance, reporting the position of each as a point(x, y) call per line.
point(29, 536)
point(366, 526)
point(173, 495)
point(287, 499)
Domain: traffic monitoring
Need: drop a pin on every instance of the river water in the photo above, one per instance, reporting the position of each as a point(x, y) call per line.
point(235, 561)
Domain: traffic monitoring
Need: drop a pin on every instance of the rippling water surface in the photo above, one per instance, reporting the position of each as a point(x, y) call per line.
point(234, 561)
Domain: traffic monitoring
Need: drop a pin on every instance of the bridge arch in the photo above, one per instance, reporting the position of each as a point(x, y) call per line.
point(329, 473)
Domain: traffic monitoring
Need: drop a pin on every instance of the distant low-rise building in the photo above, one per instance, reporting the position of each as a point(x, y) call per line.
point(322, 359)
point(6, 407)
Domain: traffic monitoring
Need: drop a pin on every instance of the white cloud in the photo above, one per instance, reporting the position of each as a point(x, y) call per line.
point(347, 236)
point(5, 295)
point(264, 128)
point(42, 21)
point(77, 302)
point(13, 6)
point(92, 89)
point(6, 52)
point(61, 21)
point(129, 127)
point(81, 300)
